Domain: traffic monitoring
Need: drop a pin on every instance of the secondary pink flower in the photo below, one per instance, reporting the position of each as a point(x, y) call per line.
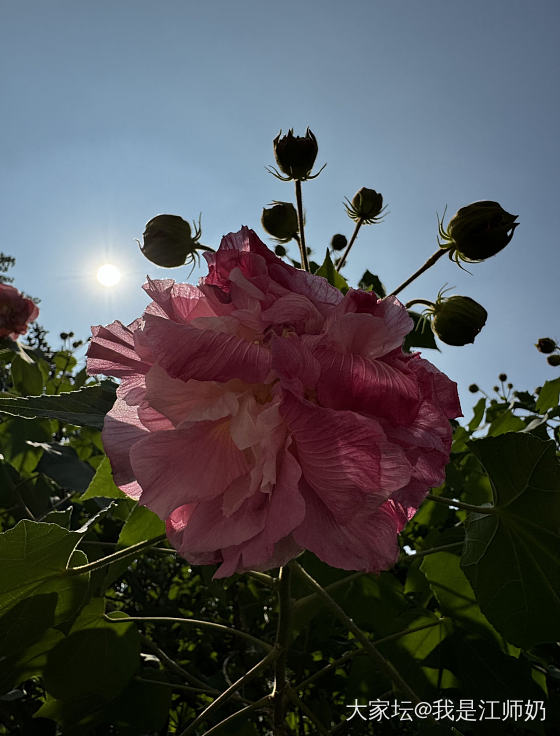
point(16, 311)
point(263, 413)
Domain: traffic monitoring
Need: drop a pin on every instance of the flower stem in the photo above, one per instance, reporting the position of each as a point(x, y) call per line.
point(426, 303)
point(461, 505)
point(429, 263)
point(283, 636)
point(384, 664)
point(230, 692)
point(115, 557)
point(301, 240)
point(432, 550)
point(341, 261)
point(196, 622)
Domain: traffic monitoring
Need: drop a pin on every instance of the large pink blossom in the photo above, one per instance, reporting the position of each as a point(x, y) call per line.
point(16, 312)
point(263, 413)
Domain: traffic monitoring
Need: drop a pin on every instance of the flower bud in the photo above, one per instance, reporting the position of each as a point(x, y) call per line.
point(553, 360)
point(295, 155)
point(366, 205)
point(473, 388)
point(281, 221)
point(502, 377)
point(480, 230)
point(339, 242)
point(458, 319)
point(168, 241)
point(546, 345)
point(280, 251)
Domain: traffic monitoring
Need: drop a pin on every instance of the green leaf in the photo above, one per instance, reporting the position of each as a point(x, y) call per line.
point(141, 524)
point(479, 409)
point(34, 558)
point(548, 397)
point(453, 591)
point(103, 485)
point(421, 335)
point(62, 464)
point(371, 282)
point(85, 408)
point(29, 660)
point(142, 707)
point(511, 556)
point(506, 422)
point(96, 658)
point(329, 272)
point(26, 377)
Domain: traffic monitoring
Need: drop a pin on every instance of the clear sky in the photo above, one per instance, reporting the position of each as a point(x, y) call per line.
point(114, 112)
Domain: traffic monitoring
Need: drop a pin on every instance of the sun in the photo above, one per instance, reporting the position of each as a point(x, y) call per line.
point(108, 275)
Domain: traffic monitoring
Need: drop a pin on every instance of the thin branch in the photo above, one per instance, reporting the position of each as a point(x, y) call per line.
point(231, 691)
point(173, 666)
point(196, 622)
point(115, 557)
point(384, 664)
point(461, 505)
point(253, 706)
point(432, 550)
point(283, 635)
point(308, 712)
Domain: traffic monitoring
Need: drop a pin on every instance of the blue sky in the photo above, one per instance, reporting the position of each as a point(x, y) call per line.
point(114, 112)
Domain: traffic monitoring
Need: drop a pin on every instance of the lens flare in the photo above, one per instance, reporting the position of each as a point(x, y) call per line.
point(108, 275)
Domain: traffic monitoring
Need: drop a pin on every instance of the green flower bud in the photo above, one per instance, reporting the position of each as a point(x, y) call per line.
point(502, 377)
point(280, 251)
point(458, 319)
point(479, 230)
point(168, 241)
point(339, 242)
point(553, 360)
point(366, 205)
point(546, 345)
point(296, 155)
point(473, 388)
point(280, 220)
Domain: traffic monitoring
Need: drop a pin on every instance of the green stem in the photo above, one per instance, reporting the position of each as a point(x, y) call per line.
point(308, 712)
point(263, 702)
point(301, 240)
point(230, 692)
point(115, 557)
point(283, 635)
point(387, 667)
point(173, 685)
point(173, 666)
point(461, 505)
point(341, 261)
point(305, 600)
point(199, 623)
point(432, 550)
point(429, 263)
point(262, 577)
point(411, 303)
point(360, 652)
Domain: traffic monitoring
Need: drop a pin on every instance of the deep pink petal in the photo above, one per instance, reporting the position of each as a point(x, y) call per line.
point(344, 456)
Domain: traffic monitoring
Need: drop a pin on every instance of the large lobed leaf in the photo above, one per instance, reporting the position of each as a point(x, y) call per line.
point(511, 557)
point(84, 408)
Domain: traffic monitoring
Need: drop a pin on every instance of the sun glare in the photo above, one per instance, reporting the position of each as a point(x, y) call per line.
point(108, 275)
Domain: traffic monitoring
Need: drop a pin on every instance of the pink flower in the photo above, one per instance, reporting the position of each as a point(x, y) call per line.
point(263, 413)
point(16, 311)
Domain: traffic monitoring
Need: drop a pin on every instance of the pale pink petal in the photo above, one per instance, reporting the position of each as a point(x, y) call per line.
point(112, 351)
point(190, 400)
point(186, 465)
point(367, 541)
point(178, 302)
point(205, 355)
